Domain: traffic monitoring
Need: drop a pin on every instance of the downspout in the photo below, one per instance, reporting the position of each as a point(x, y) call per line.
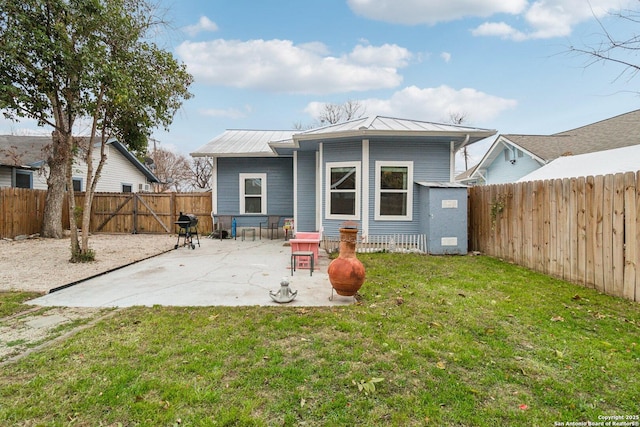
point(319, 187)
point(214, 185)
point(452, 158)
point(365, 189)
point(295, 188)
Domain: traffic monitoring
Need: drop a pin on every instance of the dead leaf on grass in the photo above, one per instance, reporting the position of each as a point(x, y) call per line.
point(557, 319)
point(441, 365)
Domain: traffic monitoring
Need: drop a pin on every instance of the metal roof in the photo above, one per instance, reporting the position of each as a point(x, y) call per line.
point(381, 128)
point(236, 142)
point(433, 184)
point(380, 125)
point(260, 143)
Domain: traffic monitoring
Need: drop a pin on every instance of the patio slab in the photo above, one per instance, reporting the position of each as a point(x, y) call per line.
point(218, 273)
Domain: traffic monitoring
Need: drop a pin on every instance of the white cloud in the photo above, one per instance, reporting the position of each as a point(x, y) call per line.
point(229, 113)
point(540, 19)
point(412, 12)
point(281, 66)
point(204, 24)
point(551, 18)
point(387, 55)
point(434, 104)
point(446, 56)
point(499, 29)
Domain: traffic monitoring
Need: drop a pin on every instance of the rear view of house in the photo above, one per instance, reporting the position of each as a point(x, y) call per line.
point(368, 170)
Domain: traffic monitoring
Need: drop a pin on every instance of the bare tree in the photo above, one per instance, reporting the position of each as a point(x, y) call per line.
point(331, 114)
point(335, 113)
point(201, 170)
point(353, 109)
point(617, 49)
point(172, 169)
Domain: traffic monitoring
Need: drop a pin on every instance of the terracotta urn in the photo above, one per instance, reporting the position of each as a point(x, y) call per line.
point(346, 273)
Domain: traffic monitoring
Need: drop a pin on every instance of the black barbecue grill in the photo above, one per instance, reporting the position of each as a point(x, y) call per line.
point(188, 224)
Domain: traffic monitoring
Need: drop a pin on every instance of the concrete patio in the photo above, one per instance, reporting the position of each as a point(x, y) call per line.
point(218, 273)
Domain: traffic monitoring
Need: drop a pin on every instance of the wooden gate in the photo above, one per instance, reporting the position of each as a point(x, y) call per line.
point(147, 212)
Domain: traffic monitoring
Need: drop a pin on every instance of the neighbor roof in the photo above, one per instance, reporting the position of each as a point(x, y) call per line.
point(23, 151)
point(31, 152)
point(615, 132)
point(617, 160)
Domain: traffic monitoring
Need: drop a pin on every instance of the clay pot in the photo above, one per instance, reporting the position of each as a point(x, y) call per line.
point(346, 273)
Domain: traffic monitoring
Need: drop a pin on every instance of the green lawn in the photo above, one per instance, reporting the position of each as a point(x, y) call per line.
point(459, 341)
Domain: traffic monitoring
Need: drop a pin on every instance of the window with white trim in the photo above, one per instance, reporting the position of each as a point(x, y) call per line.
point(394, 191)
point(343, 190)
point(253, 193)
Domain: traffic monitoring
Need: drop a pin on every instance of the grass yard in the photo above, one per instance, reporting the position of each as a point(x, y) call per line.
point(442, 341)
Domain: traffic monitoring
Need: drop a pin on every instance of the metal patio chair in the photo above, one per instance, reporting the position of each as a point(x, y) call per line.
point(272, 224)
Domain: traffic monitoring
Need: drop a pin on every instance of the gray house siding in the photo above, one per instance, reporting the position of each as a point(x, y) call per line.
point(306, 196)
point(430, 163)
point(279, 186)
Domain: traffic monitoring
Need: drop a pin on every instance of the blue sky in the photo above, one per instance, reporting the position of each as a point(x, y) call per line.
point(503, 64)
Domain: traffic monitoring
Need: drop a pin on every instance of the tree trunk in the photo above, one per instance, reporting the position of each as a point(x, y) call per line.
point(58, 163)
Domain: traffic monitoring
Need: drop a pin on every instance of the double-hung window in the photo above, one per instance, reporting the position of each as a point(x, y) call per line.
point(394, 191)
point(253, 193)
point(343, 190)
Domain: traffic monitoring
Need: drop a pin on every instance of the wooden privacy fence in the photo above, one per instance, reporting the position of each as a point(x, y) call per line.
point(22, 211)
point(583, 230)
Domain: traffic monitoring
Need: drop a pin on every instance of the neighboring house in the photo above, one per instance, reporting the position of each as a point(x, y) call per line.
point(369, 170)
point(511, 157)
point(23, 165)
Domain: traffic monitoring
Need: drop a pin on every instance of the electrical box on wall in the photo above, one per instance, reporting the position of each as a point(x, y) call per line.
point(443, 217)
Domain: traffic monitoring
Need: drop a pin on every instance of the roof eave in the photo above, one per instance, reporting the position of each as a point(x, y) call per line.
point(129, 156)
point(231, 155)
point(363, 133)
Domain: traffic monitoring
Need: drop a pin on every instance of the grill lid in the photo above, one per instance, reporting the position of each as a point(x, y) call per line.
point(187, 220)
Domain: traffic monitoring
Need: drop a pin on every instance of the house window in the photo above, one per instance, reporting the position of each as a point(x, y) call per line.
point(343, 192)
point(24, 179)
point(394, 191)
point(253, 193)
point(127, 188)
point(77, 184)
